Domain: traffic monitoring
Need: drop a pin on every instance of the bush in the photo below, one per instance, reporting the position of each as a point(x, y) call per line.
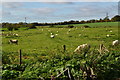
point(10, 27)
point(86, 26)
point(7, 74)
point(70, 26)
point(15, 28)
point(51, 26)
point(31, 26)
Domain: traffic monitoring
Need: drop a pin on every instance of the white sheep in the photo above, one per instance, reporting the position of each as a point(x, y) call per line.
point(107, 35)
point(79, 34)
point(13, 41)
point(15, 34)
point(69, 30)
point(115, 43)
point(49, 30)
point(52, 36)
point(82, 48)
point(56, 34)
point(110, 31)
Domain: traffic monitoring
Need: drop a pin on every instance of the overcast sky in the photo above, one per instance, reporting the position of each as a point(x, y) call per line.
point(56, 11)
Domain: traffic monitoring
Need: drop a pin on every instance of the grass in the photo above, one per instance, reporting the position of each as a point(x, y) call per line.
point(44, 56)
point(38, 41)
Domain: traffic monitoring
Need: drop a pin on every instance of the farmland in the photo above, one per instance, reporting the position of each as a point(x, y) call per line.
point(44, 56)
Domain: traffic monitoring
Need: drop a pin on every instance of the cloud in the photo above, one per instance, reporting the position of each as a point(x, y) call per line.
point(60, 0)
point(95, 9)
point(44, 10)
point(53, 12)
point(12, 5)
point(16, 13)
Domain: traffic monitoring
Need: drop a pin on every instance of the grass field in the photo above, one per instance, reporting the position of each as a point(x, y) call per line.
point(37, 40)
point(37, 43)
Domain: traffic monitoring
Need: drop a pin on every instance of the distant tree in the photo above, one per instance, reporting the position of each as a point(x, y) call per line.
point(31, 26)
point(106, 19)
point(116, 18)
point(82, 21)
point(51, 26)
point(92, 21)
point(16, 26)
point(70, 26)
point(100, 20)
point(10, 27)
point(21, 23)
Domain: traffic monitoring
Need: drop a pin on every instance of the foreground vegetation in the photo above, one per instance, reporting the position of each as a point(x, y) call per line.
point(43, 56)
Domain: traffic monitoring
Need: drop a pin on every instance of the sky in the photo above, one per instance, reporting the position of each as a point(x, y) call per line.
point(59, 0)
point(56, 11)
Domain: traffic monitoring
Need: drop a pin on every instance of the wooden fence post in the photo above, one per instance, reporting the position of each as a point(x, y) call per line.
point(64, 48)
point(20, 56)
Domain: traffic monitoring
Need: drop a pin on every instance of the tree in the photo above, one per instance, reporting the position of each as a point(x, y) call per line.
point(10, 27)
point(31, 26)
point(106, 19)
point(16, 26)
point(51, 26)
point(116, 18)
point(70, 26)
point(100, 20)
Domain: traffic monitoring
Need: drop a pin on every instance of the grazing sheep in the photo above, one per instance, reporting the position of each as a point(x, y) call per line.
point(56, 34)
point(49, 30)
point(107, 35)
point(110, 31)
point(82, 48)
point(15, 35)
point(115, 43)
point(13, 41)
point(52, 36)
point(79, 34)
point(69, 30)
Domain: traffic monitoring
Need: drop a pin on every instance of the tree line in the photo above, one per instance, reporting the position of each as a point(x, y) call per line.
point(16, 26)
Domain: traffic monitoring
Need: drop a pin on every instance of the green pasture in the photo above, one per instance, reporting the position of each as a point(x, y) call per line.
point(39, 40)
point(43, 56)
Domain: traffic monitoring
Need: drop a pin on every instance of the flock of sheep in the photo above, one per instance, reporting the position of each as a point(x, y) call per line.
point(9, 34)
point(86, 47)
point(80, 48)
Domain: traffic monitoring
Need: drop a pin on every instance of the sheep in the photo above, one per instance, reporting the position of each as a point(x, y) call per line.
point(110, 31)
point(56, 34)
point(52, 36)
point(69, 30)
point(13, 41)
point(15, 35)
point(82, 48)
point(115, 43)
point(107, 35)
point(49, 30)
point(79, 34)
